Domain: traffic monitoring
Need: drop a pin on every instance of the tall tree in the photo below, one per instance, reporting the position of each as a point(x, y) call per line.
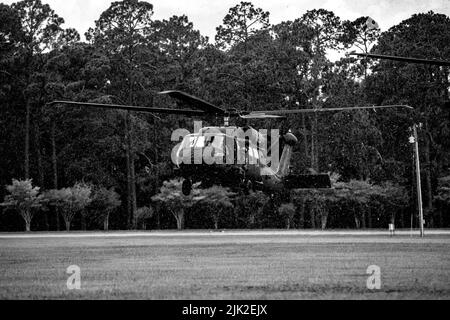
point(179, 52)
point(41, 26)
point(242, 22)
point(11, 99)
point(359, 34)
point(327, 29)
point(293, 41)
point(424, 87)
point(121, 34)
point(177, 203)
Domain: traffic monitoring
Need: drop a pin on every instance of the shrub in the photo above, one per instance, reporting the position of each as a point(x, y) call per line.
point(287, 211)
point(24, 198)
point(104, 202)
point(70, 201)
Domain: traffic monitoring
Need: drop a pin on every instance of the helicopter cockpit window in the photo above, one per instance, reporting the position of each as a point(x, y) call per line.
point(253, 156)
point(253, 153)
point(217, 142)
point(200, 143)
point(209, 140)
point(193, 141)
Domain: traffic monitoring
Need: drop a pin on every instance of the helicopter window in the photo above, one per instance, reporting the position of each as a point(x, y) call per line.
point(217, 142)
point(253, 153)
point(200, 142)
point(209, 140)
point(189, 142)
point(218, 145)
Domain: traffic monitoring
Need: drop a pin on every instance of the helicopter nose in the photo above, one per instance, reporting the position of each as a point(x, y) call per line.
point(290, 139)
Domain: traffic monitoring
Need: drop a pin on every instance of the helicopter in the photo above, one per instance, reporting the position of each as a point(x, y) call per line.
point(236, 157)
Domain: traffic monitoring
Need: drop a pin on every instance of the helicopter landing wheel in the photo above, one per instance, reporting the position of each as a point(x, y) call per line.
point(187, 187)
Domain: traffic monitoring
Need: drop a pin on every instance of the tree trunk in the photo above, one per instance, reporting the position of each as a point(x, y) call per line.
point(133, 199)
point(54, 165)
point(67, 224)
point(314, 139)
point(128, 161)
point(216, 223)
point(180, 220)
point(106, 223)
point(428, 186)
point(369, 218)
point(302, 215)
point(133, 194)
point(357, 221)
point(305, 136)
point(363, 218)
point(324, 219)
point(313, 218)
point(83, 221)
point(215, 214)
point(155, 148)
point(313, 144)
point(58, 227)
point(27, 226)
point(37, 143)
point(158, 219)
point(316, 144)
point(27, 140)
point(131, 175)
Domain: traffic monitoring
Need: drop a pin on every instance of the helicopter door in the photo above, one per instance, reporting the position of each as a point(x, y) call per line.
point(218, 144)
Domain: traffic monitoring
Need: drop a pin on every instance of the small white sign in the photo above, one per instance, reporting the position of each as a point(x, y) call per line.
point(374, 280)
point(74, 281)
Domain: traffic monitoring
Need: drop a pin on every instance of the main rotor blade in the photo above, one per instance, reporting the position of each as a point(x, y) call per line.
point(262, 116)
point(187, 112)
point(297, 111)
point(194, 102)
point(403, 59)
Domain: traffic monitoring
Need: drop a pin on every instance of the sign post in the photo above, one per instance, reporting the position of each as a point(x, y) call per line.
point(415, 140)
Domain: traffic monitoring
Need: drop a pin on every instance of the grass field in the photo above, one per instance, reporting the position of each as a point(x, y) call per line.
point(230, 265)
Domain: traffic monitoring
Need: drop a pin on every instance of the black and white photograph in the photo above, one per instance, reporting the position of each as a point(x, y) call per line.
point(224, 154)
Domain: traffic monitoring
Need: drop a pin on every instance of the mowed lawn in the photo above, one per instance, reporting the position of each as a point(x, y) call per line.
point(226, 266)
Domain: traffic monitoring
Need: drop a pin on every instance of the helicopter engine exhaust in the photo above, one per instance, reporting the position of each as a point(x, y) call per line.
point(290, 141)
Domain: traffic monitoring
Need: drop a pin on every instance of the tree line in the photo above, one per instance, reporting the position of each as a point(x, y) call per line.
point(128, 57)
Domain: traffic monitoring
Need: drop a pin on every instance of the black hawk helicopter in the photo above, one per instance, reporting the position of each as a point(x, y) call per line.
point(241, 158)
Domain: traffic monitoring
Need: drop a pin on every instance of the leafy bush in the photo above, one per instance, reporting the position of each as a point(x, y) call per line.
point(142, 215)
point(217, 200)
point(103, 203)
point(24, 198)
point(175, 201)
point(70, 201)
point(287, 211)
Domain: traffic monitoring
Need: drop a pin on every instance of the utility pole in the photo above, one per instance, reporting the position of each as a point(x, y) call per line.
point(415, 140)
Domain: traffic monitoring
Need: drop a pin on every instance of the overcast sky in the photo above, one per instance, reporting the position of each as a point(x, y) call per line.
point(208, 14)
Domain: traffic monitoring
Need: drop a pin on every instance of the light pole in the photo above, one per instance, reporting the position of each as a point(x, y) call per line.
point(415, 140)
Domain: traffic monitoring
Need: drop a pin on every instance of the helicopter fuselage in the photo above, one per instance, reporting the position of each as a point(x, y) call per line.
point(232, 158)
